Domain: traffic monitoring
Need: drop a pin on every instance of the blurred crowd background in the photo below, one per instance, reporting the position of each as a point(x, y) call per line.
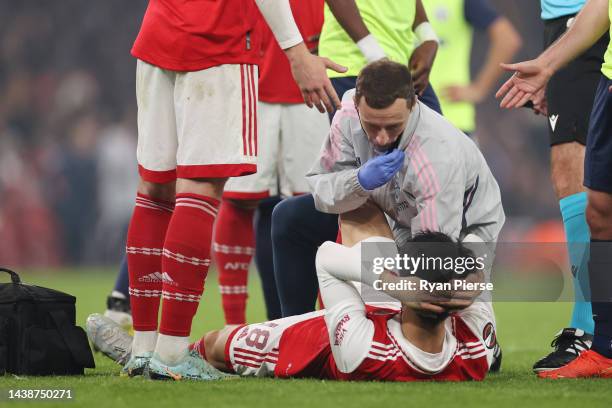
point(68, 131)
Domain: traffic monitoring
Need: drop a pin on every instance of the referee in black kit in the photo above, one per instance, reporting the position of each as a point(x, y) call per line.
point(568, 102)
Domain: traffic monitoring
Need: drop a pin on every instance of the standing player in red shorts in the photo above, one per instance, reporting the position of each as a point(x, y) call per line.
point(290, 136)
point(196, 88)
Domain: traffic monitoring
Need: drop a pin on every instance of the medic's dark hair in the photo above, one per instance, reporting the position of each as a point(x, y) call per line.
point(382, 82)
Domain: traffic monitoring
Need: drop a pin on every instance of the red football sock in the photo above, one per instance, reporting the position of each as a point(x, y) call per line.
point(145, 240)
point(199, 347)
point(185, 261)
point(233, 251)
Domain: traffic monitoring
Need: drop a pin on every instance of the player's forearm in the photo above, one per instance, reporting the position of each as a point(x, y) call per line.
point(590, 24)
point(277, 14)
point(505, 41)
point(347, 14)
point(420, 16)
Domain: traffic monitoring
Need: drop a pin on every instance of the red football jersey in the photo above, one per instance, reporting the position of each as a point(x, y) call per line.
point(276, 84)
point(304, 351)
point(191, 35)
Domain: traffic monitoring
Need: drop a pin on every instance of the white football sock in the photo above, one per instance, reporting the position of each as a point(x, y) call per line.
point(171, 349)
point(144, 342)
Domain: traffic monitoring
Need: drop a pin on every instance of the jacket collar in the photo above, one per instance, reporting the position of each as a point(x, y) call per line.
point(413, 122)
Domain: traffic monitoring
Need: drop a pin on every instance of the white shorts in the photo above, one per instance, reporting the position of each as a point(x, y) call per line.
point(252, 350)
point(290, 139)
point(200, 124)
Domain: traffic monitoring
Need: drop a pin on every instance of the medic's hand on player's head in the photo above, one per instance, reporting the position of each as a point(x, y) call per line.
point(310, 74)
point(378, 171)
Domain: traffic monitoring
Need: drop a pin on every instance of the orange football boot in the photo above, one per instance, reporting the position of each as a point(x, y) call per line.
point(588, 364)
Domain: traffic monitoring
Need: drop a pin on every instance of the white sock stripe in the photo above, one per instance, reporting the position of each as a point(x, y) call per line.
point(144, 293)
point(232, 290)
point(198, 202)
point(150, 207)
point(185, 259)
point(181, 297)
point(143, 250)
point(178, 294)
point(233, 249)
point(199, 207)
point(144, 201)
point(156, 203)
point(135, 290)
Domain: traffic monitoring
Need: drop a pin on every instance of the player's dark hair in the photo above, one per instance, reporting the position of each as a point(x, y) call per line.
point(382, 82)
point(437, 245)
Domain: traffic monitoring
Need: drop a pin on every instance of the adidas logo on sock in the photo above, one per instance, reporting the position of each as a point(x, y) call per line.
point(157, 277)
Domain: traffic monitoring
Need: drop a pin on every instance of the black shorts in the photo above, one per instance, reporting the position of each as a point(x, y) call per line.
point(598, 154)
point(571, 90)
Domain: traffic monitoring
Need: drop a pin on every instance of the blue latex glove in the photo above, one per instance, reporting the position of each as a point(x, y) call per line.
point(378, 171)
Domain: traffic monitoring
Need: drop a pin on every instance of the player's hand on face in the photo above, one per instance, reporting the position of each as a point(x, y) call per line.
point(310, 74)
point(378, 171)
point(458, 93)
point(529, 78)
point(462, 298)
point(420, 64)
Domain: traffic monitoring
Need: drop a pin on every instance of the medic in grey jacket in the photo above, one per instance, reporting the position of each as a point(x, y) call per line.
point(415, 165)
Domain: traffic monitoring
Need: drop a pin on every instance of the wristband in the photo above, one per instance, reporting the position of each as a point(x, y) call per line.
point(425, 32)
point(370, 48)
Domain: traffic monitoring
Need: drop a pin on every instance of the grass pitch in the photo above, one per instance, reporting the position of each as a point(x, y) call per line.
point(524, 331)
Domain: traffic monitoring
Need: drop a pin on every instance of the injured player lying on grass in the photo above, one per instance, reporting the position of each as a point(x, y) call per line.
point(429, 336)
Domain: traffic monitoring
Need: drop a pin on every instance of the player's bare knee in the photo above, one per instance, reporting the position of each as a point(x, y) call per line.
point(599, 215)
point(158, 191)
point(215, 352)
point(567, 168)
point(561, 184)
point(209, 187)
